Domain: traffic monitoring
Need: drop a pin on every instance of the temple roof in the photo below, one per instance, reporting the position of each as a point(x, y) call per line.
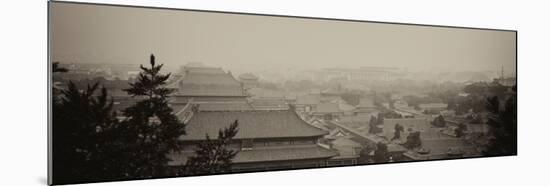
point(267, 154)
point(252, 124)
point(208, 82)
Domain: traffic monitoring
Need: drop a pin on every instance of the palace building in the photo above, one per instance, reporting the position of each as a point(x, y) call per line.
point(267, 140)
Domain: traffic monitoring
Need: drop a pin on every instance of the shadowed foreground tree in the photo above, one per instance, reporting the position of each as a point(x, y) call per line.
point(83, 126)
point(213, 156)
point(91, 144)
point(56, 68)
point(151, 130)
point(503, 123)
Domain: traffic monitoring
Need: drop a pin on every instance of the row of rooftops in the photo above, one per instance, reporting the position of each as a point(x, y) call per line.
point(253, 124)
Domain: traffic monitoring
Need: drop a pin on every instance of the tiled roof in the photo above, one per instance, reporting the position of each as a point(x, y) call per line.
point(225, 106)
point(347, 148)
point(269, 104)
point(267, 154)
point(284, 153)
point(327, 108)
point(209, 84)
point(252, 124)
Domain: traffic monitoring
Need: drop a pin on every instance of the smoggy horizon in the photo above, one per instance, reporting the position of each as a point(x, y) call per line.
point(82, 33)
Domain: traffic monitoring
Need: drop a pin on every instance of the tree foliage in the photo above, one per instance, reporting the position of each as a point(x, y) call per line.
point(91, 144)
point(213, 156)
point(413, 140)
point(83, 129)
point(459, 131)
point(398, 129)
point(151, 130)
point(374, 124)
point(381, 154)
point(439, 121)
point(56, 68)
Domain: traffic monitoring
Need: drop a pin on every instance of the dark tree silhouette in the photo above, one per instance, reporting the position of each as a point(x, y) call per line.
point(397, 131)
point(503, 131)
point(82, 129)
point(151, 130)
point(373, 125)
point(439, 121)
point(413, 140)
point(56, 68)
point(459, 131)
point(381, 153)
point(213, 156)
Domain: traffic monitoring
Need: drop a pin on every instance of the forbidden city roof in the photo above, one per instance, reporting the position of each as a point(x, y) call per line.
point(209, 82)
point(266, 154)
point(283, 153)
point(252, 124)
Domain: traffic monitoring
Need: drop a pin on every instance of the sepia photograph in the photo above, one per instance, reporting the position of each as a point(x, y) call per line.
point(142, 92)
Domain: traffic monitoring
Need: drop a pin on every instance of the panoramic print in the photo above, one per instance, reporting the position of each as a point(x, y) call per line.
point(139, 93)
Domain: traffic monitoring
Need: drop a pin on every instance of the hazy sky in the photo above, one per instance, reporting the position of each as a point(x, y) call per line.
point(107, 34)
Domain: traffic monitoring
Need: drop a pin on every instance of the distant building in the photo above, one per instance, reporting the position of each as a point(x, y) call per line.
point(267, 140)
point(328, 111)
point(348, 150)
point(366, 106)
point(269, 103)
point(249, 80)
point(210, 87)
point(307, 103)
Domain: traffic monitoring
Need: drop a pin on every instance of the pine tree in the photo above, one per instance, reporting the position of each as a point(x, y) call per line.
point(81, 120)
point(213, 156)
point(151, 130)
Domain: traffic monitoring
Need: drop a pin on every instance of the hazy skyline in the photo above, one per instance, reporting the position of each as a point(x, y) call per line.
point(125, 35)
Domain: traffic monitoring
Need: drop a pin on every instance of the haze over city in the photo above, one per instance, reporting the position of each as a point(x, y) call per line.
point(169, 93)
point(120, 35)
